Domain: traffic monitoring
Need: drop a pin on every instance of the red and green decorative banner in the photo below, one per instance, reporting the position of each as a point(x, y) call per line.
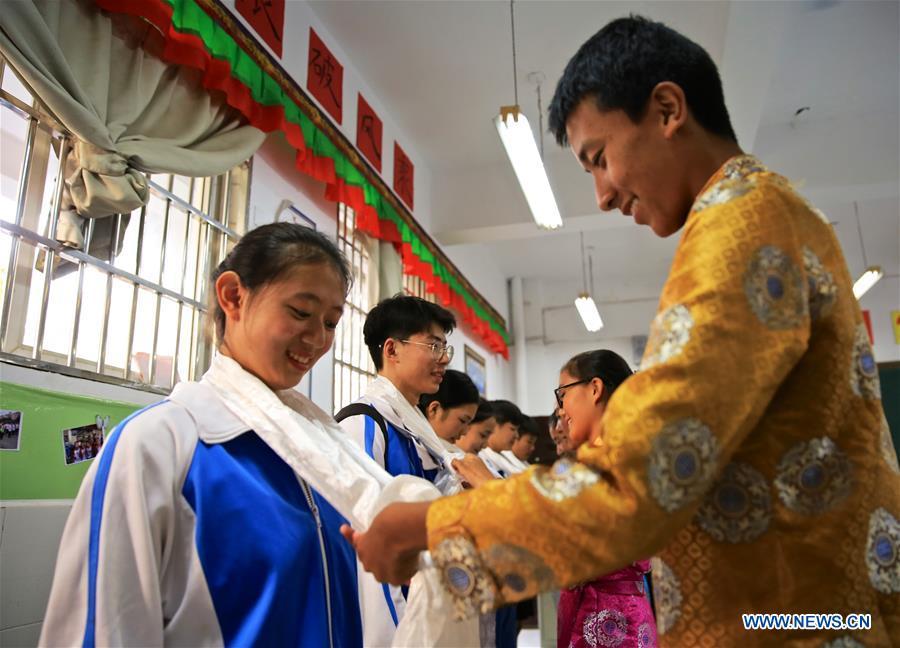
point(203, 35)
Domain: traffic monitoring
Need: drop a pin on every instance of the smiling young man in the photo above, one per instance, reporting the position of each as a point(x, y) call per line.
point(751, 453)
point(407, 340)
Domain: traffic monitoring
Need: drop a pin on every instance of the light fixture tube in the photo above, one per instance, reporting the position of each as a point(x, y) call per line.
point(589, 313)
point(868, 279)
point(518, 140)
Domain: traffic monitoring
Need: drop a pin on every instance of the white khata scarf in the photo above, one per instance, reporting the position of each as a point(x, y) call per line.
point(383, 392)
point(312, 443)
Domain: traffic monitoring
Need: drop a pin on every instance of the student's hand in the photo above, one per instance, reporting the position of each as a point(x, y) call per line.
point(390, 548)
point(472, 469)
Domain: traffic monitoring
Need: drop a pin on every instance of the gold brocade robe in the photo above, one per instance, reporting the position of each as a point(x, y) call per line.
point(751, 454)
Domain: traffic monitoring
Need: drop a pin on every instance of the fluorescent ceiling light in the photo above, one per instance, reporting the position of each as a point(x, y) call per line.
point(589, 313)
point(518, 140)
point(868, 279)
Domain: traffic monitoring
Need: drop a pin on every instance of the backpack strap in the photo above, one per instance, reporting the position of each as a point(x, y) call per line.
point(364, 409)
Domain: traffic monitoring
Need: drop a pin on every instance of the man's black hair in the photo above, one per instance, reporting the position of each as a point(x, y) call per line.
point(528, 427)
point(621, 64)
point(484, 411)
point(506, 412)
point(400, 316)
point(456, 390)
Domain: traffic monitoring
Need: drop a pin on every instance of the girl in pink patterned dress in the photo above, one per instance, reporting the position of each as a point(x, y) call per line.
point(612, 610)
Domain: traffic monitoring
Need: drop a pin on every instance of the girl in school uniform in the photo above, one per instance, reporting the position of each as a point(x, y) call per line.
point(197, 527)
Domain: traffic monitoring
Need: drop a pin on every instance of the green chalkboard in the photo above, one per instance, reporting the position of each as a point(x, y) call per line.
point(38, 469)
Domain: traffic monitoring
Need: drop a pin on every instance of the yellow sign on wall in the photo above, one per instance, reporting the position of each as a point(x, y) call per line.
point(895, 318)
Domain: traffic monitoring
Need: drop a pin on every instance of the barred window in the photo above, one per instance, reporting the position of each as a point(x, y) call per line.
point(353, 366)
point(129, 307)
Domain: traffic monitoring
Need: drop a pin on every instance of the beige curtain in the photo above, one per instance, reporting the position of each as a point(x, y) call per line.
point(129, 111)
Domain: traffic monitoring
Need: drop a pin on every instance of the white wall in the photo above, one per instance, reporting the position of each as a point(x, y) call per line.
point(274, 178)
point(298, 18)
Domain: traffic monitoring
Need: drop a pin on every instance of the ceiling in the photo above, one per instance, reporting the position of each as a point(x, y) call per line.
point(443, 68)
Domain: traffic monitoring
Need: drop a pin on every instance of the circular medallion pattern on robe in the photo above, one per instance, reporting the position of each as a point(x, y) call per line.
point(821, 285)
point(517, 569)
point(564, 479)
point(645, 636)
point(736, 181)
point(814, 476)
point(666, 594)
point(605, 628)
point(887, 445)
point(883, 552)
point(738, 508)
point(682, 461)
point(464, 577)
point(669, 334)
point(863, 369)
point(774, 288)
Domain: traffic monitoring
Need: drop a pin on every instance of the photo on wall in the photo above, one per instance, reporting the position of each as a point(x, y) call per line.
point(476, 370)
point(84, 443)
point(10, 429)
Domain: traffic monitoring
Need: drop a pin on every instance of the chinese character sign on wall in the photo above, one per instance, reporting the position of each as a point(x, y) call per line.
point(266, 17)
point(368, 133)
point(325, 77)
point(403, 176)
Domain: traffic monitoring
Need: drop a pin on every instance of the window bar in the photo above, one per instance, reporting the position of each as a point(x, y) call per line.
point(184, 258)
point(73, 343)
point(178, 202)
point(104, 334)
point(226, 215)
point(104, 327)
point(202, 232)
point(50, 255)
point(192, 351)
point(135, 292)
point(151, 372)
point(14, 240)
point(202, 297)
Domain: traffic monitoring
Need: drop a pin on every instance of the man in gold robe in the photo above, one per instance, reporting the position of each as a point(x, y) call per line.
point(750, 454)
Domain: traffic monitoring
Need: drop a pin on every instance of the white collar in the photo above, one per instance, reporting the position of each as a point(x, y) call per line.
point(215, 422)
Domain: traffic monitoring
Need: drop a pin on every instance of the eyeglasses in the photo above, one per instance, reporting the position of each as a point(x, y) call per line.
point(438, 350)
point(560, 394)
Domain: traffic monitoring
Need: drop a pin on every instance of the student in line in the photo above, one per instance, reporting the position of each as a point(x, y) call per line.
point(194, 527)
point(523, 446)
point(451, 408)
point(476, 434)
point(407, 339)
point(612, 610)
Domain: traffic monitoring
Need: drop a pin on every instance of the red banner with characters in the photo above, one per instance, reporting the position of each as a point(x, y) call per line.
point(403, 176)
point(325, 77)
point(368, 133)
point(266, 17)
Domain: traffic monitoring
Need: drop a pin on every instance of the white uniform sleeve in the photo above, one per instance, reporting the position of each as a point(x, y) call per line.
point(106, 589)
point(367, 435)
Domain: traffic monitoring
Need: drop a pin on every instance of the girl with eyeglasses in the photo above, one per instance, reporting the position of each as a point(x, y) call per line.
point(612, 610)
